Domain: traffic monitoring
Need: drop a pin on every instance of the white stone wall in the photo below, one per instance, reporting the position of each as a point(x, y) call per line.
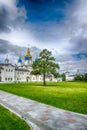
point(22, 76)
point(69, 78)
point(7, 74)
point(36, 78)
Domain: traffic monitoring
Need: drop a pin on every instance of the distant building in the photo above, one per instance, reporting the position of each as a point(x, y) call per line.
point(69, 77)
point(78, 72)
point(7, 71)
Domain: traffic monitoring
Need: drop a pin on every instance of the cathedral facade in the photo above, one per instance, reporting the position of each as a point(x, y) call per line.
point(20, 72)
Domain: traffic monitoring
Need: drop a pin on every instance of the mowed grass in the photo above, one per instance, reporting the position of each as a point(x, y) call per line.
point(66, 95)
point(9, 121)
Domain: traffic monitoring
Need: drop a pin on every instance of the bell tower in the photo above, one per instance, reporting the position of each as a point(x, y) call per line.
point(28, 58)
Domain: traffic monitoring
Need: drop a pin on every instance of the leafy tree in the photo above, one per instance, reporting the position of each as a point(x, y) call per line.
point(63, 77)
point(45, 65)
point(85, 77)
point(56, 75)
point(81, 77)
point(78, 78)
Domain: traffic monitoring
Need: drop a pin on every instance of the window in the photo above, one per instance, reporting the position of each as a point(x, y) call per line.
point(9, 70)
point(6, 79)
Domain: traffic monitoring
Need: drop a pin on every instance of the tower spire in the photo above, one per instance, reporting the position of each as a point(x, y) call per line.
point(28, 54)
point(7, 60)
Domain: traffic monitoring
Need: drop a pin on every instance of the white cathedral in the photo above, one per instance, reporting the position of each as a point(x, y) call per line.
point(21, 71)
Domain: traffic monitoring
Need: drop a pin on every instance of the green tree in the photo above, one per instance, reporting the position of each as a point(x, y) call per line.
point(85, 77)
point(63, 77)
point(45, 65)
point(78, 78)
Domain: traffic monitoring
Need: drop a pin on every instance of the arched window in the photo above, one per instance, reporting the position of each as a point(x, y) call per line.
point(6, 79)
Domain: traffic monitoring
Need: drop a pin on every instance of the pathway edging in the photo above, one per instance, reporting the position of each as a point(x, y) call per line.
point(41, 116)
point(20, 115)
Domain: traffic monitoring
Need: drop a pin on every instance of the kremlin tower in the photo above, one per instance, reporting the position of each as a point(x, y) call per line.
point(28, 58)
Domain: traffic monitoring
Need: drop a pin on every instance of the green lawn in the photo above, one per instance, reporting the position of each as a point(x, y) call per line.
point(9, 121)
point(66, 95)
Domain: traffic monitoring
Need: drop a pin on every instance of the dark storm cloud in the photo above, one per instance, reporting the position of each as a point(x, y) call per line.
point(79, 44)
point(4, 20)
point(11, 16)
point(7, 48)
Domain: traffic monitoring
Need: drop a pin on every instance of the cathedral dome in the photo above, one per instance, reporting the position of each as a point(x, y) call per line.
point(28, 55)
point(19, 60)
point(27, 58)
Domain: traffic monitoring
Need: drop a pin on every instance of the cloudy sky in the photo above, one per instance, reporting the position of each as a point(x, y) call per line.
point(58, 25)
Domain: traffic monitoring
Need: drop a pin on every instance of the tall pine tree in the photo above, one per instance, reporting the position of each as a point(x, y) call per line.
point(45, 65)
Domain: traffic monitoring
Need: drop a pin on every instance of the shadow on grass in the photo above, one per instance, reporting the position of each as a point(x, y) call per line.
point(41, 84)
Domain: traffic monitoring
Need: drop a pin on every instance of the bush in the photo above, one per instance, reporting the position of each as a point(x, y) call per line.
point(85, 77)
point(78, 78)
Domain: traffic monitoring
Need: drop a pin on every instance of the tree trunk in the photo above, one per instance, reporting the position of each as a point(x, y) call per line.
point(44, 80)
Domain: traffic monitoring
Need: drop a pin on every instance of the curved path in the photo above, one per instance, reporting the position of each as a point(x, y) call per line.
point(43, 117)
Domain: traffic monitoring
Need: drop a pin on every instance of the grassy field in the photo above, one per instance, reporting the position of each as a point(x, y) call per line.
point(66, 95)
point(9, 121)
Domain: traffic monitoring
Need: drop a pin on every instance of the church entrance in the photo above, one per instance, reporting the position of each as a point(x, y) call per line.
point(27, 79)
point(0, 78)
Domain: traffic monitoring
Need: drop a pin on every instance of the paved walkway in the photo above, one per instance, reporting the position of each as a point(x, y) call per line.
point(43, 117)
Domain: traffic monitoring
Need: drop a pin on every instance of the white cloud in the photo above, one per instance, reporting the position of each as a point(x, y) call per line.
point(52, 35)
point(19, 37)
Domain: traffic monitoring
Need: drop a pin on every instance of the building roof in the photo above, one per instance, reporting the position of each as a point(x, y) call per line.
point(19, 69)
point(3, 64)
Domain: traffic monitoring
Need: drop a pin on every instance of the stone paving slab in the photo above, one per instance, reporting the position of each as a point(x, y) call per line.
point(45, 117)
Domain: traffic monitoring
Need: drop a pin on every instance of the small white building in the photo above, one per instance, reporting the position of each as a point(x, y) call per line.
point(7, 72)
point(69, 77)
